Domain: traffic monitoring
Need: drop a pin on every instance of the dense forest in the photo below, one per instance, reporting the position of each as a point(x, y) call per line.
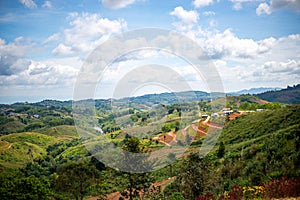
point(256, 156)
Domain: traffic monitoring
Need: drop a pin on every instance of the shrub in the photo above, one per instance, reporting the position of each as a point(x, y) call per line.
point(284, 187)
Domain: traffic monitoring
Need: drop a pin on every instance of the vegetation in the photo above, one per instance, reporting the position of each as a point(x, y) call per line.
point(289, 95)
point(256, 157)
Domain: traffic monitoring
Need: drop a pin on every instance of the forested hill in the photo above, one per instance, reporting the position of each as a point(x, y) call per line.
point(288, 95)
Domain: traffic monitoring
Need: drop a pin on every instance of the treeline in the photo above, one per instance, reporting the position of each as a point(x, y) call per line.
point(290, 95)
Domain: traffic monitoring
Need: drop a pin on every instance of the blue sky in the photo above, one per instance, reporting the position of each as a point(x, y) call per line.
point(43, 44)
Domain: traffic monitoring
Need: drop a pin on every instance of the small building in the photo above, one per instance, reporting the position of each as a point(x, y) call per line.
point(36, 116)
point(215, 115)
point(204, 116)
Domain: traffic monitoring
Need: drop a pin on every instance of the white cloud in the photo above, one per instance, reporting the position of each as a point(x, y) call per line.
point(116, 4)
point(37, 74)
point(52, 38)
point(47, 4)
point(202, 3)
point(12, 55)
point(209, 13)
point(86, 32)
point(19, 47)
point(238, 4)
point(16, 70)
point(184, 15)
point(283, 72)
point(28, 3)
point(227, 44)
point(278, 67)
point(263, 8)
point(276, 5)
point(62, 49)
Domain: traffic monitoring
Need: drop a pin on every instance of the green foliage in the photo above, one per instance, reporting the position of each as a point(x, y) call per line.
point(193, 176)
point(221, 150)
point(75, 179)
point(133, 157)
point(23, 189)
point(288, 95)
point(176, 196)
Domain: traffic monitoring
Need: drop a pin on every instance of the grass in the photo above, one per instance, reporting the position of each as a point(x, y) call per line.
point(60, 131)
point(19, 148)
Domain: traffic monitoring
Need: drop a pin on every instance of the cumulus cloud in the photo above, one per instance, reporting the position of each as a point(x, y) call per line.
point(279, 66)
point(184, 15)
point(62, 49)
point(12, 55)
point(47, 4)
point(202, 3)
point(116, 4)
point(38, 74)
point(227, 44)
point(28, 3)
point(16, 70)
point(187, 19)
point(86, 32)
point(209, 13)
point(238, 4)
point(265, 8)
point(19, 47)
point(271, 71)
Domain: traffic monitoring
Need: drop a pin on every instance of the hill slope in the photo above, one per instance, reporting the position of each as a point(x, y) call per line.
point(288, 95)
point(20, 148)
point(262, 145)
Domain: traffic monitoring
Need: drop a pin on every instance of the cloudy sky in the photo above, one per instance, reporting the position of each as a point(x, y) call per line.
point(43, 44)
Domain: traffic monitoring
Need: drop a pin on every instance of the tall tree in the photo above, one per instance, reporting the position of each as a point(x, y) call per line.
point(76, 178)
point(194, 176)
point(133, 158)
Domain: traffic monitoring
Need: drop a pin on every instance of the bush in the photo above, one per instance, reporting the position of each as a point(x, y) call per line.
point(284, 187)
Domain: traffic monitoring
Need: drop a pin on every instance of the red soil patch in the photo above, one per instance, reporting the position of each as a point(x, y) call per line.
point(233, 116)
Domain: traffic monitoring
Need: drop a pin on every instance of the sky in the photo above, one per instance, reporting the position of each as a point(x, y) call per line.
point(45, 44)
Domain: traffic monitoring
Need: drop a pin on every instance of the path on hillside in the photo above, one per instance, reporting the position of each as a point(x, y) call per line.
point(168, 138)
point(117, 195)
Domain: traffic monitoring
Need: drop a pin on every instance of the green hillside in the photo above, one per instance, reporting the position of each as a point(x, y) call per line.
point(64, 131)
point(288, 95)
point(251, 150)
point(263, 145)
point(20, 148)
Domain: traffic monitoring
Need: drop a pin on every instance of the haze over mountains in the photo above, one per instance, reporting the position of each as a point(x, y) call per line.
point(197, 94)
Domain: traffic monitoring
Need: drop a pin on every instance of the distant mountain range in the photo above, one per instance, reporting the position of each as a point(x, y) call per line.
point(255, 90)
point(288, 95)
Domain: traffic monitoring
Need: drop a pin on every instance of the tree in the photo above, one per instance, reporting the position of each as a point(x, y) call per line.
point(76, 178)
point(194, 176)
point(171, 157)
point(221, 150)
point(23, 188)
point(176, 196)
point(132, 159)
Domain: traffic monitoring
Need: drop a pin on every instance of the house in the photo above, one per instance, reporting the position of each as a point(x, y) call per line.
point(215, 115)
point(204, 116)
point(226, 111)
point(36, 116)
